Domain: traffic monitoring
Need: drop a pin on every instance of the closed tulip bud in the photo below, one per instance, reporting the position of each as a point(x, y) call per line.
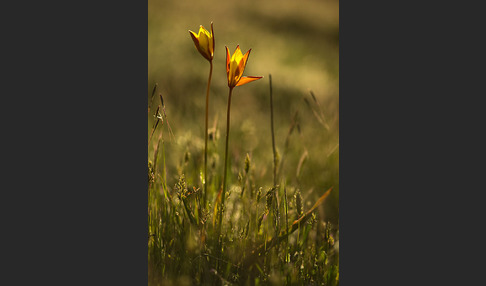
point(204, 42)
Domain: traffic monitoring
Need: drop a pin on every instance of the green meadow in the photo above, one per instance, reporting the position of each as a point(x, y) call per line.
point(277, 223)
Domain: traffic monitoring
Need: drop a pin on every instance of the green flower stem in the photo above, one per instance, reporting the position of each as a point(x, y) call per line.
point(206, 136)
point(225, 163)
point(273, 136)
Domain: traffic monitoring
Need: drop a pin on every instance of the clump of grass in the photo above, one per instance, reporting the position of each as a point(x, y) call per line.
point(269, 236)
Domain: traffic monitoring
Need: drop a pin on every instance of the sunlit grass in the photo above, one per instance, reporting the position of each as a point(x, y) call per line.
point(254, 247)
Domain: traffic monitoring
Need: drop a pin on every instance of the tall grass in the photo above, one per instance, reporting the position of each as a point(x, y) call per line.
point(270, 233)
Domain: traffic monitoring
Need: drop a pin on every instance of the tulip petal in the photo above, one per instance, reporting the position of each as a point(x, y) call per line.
point(247, 79)
point(245, 57)
point(211, 45)
point(242, 63)
point(194, 38)
point(201, 30)
point(237, 55)
point(234, 73)
point(204, 45)
point(227, 60)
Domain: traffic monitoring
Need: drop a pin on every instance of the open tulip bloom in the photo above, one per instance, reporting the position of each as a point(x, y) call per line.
point(235, 65)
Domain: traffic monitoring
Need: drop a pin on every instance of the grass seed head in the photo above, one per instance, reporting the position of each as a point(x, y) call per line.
point(298, 203)
point(259, 194)
point(247, 163)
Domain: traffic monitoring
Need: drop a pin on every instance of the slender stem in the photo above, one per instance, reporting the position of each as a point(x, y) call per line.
point(206, 136)
point(225, 166)
point(226, 149)
point(273, 136)
point(286, 225)
point(206, 153)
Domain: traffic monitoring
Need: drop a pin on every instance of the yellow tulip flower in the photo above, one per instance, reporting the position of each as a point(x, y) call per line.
point(235, 65)
point(204, 42)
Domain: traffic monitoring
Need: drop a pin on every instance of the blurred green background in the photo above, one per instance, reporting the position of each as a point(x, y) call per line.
point(297, 42)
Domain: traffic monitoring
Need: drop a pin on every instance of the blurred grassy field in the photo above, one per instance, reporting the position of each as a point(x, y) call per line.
point(297, 42)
